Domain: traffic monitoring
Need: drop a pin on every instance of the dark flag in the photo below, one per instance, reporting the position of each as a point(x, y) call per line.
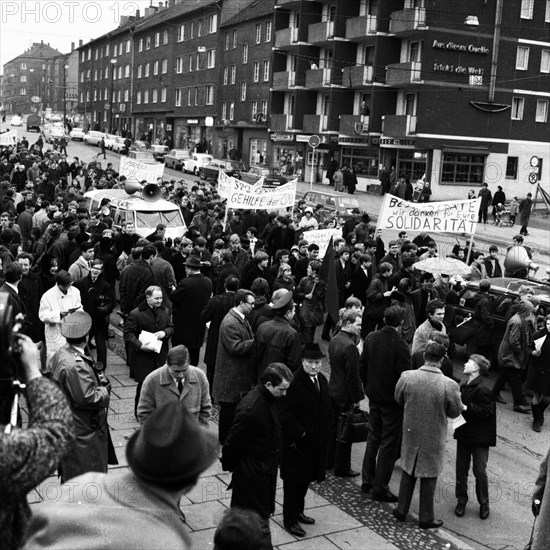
point(328, 274)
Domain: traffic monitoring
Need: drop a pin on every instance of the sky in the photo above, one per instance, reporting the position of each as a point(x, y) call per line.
point(59, 22)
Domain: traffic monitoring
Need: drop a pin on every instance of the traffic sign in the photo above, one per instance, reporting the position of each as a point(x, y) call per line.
point(533, 178)
point(314, 141)
point(534, 161)
point(35, 99)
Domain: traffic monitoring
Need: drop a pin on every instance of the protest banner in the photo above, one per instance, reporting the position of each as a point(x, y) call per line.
point(251, 197)
point(8, 138)
point(321, 237)
point(224, 182)
point(430, 217)
point(139, 171)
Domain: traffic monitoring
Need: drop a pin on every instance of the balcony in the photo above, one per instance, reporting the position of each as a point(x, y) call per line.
point(399, 126)
point(403, 74)
point(359, 28)
point(284, 80)
point(321, 33)
point(317, 79)
point(407, 20)
point(314, 124)
point(357, 76)
point(353, 125)
point(282, 123)
point(285, 38)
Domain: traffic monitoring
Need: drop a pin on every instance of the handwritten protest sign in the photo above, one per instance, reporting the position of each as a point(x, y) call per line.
point(8, 138)
point(249, 197)
point(224, 182)
point(431, 217)
point(321, 237)
point(139, 171)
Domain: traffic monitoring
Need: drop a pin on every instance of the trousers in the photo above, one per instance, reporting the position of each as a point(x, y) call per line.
point(479, 456)
point(339, 454)
point(513, 376)
point(293, 501)
point(427, 492)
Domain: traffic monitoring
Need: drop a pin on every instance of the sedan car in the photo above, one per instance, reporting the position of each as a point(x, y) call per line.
point(77, 134)
point(110, 141)
point(175, 158)
point(142, 156)
point(52, 133)
point(272, 175)
point(16, 120)
point(93, 137)
point(159, 151)
point(119, 146)
point(230, 167)
point(195, 162)
point(339, 205)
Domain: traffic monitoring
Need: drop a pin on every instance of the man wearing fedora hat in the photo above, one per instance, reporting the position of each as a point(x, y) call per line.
point(305, 421)
point(277, 340)
point(135, 507)
point(88, 393)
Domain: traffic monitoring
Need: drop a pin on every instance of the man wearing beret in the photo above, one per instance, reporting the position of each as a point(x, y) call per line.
point(88, 393)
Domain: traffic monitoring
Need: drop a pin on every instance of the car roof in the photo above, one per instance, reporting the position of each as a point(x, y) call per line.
point(324, 193)
point(119, 198)
point(512, 285)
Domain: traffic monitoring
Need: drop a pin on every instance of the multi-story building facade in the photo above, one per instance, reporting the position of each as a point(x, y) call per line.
point(458, 96)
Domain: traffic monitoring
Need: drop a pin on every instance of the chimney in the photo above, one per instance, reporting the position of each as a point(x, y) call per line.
point(80, 43)
point(138, 15)
point(72, 47)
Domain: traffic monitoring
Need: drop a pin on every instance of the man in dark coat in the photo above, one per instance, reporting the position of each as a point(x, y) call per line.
point(482, 341)
point(385, 356)
point(492, 265)
point(30, 291)
point(282, 236)
point(421, 296)
point(13, 274)
point(214, 312)
point(136, 277)
point(345, 387)
point(149, 316)
point(305, 422)
point(251, 450)
point(188, 301)
point(486, 199)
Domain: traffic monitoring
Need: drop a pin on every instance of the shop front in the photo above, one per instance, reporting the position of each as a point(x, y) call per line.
point(150, 128)
point(288, 154)
point(193, 134)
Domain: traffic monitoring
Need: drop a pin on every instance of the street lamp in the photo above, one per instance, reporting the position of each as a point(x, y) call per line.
point(111, 102)
point(65, 67)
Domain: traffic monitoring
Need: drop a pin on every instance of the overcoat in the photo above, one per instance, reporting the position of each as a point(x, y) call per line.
point(214, 312)
point(515, 348)
point(429, 398)
point(345, 385)
point(525, 207)
point(188, 301)
point(235, 371)
point(89, 401)
point(541, 539)
point(143, 318)
point(305, 422)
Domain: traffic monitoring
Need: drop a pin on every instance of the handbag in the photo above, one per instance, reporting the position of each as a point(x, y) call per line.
point(353, 426)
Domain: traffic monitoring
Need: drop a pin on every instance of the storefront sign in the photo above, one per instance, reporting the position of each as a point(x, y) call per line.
point(139, 171)
point(344, 140)
point(400, 142)
point(459, 69)
point(453, 46)
point(281, 137)
point(8, 138)
point(304, 138)
point(250, 197)
point(192, 121)
point(431, 217)
point(321, 237)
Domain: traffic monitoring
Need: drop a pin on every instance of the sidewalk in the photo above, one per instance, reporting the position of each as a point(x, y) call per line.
point(345, 518)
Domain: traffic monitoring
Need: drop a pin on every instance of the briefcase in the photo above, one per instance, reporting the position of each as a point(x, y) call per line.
point(353, 426)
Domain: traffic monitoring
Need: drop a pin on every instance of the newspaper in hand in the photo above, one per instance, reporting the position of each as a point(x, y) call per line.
point(150, 338)
point(538, 342)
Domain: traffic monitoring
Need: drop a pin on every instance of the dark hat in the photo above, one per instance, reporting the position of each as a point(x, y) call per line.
point(76, 325)
point(356, 211)
point(171, 447)
point(281, 298)
point(193, 262)
point(365, 218)
point(312, 351)
point(408, 261)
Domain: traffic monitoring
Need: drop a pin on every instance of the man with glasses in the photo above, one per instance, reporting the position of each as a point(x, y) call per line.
point(234, 372)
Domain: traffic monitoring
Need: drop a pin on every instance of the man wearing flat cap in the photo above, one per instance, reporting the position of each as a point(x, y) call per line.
point(88, 392)
point(135, 507)
point(277, 340)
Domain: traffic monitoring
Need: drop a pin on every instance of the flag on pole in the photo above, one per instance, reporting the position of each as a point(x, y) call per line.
point(328, 274)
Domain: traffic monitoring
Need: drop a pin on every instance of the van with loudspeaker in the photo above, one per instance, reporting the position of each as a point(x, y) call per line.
point(140, 204)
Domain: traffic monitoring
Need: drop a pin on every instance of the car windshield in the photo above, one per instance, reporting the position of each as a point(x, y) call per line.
point(234, 166)
point(142, 155)
point(151, 219)
point(349, 202)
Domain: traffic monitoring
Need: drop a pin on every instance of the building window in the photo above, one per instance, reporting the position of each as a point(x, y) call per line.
point(545, 61)
point(96, 54)
point(154, 96)
point(512, 167)
point(264, 107)
point(542, 111)
point(128, 45)
point(157, 39)
point(224, 110)
point(254, 109)
point(95, 75)
point(234, 39)
point(126, 94)
point(522, 58)
point(190, 62)
point(231, 110)
point(192, 30)
point(107, 50)
point(126, 71)
point(140, 71)
point(178, 97)
point(165, 38)
point(212, 23)
point(140, 45)
point(547, 12)
point(266, 71)
point(181, 34)
point(517, 108)
point(197, 61)
point(148, 43)
point(146, 70)
point(95, 96)
point(146, 96)
point(245, 54)
point(462, 168)
point(256, 76)
point(268, 30)
point(527, 9)
point(23, 90)
point(156, 68)
point(258, 33)
point(81, 76)
point(189, 96)
point(88, 74)
point(107, 72)
point(243, 91)
point(225, 75)
point(23, 78)
point(209, 93)
point(89, 54)
point(211, 59)
point(226, 41)
point(199, 28)
point(233, 73)
point(365, 160)
point(164, 69)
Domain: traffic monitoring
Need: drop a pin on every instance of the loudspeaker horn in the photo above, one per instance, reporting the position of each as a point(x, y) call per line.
point(151, 192)
point(517, 258)
point(132, 187)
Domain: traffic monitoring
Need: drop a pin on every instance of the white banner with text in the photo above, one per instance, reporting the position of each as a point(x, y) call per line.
point(139, 171)
point(8, 138)
point(251, 197)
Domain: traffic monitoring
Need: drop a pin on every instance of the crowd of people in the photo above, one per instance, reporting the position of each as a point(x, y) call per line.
point(253, 289)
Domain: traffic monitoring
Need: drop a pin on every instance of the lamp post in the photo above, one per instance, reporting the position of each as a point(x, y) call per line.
point(111, 102)
point(65, 67)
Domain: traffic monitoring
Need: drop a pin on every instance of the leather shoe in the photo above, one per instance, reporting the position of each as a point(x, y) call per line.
point(295, 530)
point(460, 509)
point(484, 511)
point(435, 524)
point(385, 496)
point(366, 487)
point(522, 409)
point(347, 473)
point(499, 399)
point(398, 515)
point(302, 518)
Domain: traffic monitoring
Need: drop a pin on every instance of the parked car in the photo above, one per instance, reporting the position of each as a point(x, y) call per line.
point(212, 169)
point(93, 137)
point(33, 123)
point(272, 175)
point(143, 156)
point(335, 204)
point(196, 162)
point(119, 146)
point(159, 151)
point(53, 132)
point(16, 120)
point(110, 141)
point(175, 158)
point(77, 134)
